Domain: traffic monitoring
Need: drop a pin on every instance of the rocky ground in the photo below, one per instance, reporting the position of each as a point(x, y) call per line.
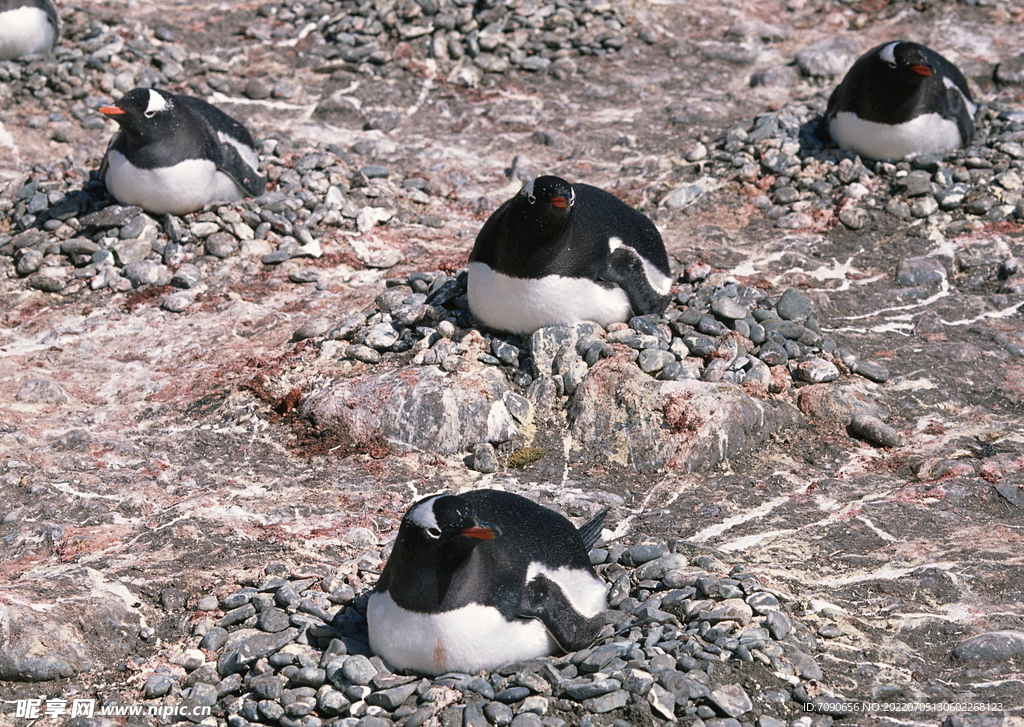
point(212, 425)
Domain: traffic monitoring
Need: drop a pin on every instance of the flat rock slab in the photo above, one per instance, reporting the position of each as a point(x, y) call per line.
point(416, 408)
point(619, 415)
point(41, 641)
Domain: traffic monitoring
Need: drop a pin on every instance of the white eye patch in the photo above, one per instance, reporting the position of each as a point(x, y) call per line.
point(157, 103)
point(423, 515)
point(888, 53)
point(528, 191)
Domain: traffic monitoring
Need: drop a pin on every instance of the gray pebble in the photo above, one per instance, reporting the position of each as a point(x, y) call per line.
point(358, 352)
point(729, 310)
point(499, 714)
point(639, 554)
point(310, 676)
point(311, 329)
point(920, 271)
point(731, 700)
point(817, 371)
point(652, 360)
point(605, 702)
point(186, 276)
point(273, 620)
point(586, 689)
point(177, 302)
point(220, 244)
point(382, 336)
point(358, 669)
point(158, 685)
point(991, 646)
point(305, 275)
point(794, 306)
point(391, 699)
point(484, 458)
point(512, 694)
point(778, 624)
point(146, 272)
point(875, 431)
point(872, 371)
point(331, 702)
point(237, 615)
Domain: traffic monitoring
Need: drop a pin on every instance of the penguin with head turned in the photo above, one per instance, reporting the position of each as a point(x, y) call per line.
point(176, 153)
point(483, 579)
point(560, 253)
point(899, 100)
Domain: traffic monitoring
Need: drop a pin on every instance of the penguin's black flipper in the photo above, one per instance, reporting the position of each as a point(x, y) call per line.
point(590, 531)
point(232, 164)
point(626, 269)
point(544, 600)
point(958, 110)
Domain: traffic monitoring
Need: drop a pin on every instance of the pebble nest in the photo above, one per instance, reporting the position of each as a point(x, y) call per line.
point(716, 329)
point(801, 181)
point(464, 37)
point(687, 637)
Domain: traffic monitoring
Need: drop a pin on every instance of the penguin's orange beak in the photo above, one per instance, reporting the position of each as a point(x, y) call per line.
point(922, 70)
point(481, 531)
point(111, 110)
point(560, 202)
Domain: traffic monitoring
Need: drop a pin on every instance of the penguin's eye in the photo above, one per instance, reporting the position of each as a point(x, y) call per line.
point(434, 532)
point(530, 198)
point(149, 114)
point(890, 64)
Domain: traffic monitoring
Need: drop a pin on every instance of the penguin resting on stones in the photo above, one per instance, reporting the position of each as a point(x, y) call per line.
point(559, 253)
point(483, 579)
point(900, 100)
point(174, 154)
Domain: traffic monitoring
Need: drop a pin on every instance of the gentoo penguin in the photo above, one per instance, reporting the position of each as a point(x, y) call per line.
point(899, 100)
point(483, 579)
point(176, 153)
point(27, 26)
point(561, 253)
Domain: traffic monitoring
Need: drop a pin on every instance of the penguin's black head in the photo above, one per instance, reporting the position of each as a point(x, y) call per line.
point(445, 520)
point(910, 62)
point(553, 195)
point(143, 113)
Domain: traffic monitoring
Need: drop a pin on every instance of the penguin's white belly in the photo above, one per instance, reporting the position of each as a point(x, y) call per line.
point(468, 639)
point(178, 189)
point(924, 134)
point(24, 30)
point(522, 305)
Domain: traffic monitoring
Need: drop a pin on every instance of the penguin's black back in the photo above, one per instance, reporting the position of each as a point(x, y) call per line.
point(215, 120)
point(878, 93)
point(531, 533)
point(507, 242)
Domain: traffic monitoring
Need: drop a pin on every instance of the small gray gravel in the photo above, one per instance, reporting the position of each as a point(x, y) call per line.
point(684, 634)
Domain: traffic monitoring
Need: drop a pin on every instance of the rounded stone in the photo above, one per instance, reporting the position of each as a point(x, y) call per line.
point(817, 371)
point(794, 306)
point(158, 685)
point(220, 244)
point(730, 310)
point(358, 669)
point(992, 646)
point(875, 431)
point(485, 459)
